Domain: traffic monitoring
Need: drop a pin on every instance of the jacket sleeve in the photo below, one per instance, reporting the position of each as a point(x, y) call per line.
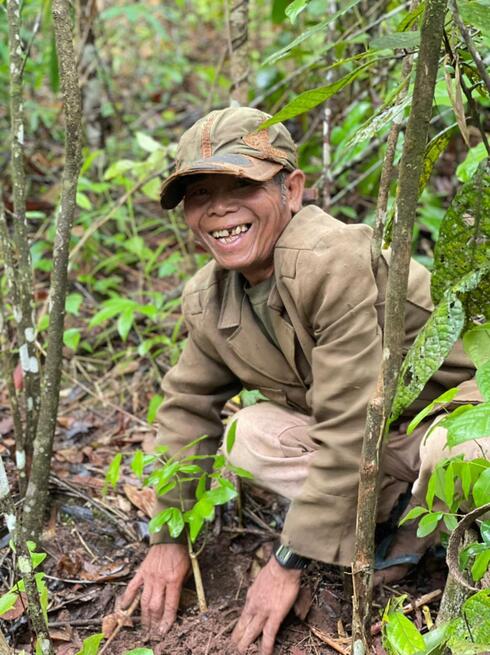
point(195, 391)
point(340, 308)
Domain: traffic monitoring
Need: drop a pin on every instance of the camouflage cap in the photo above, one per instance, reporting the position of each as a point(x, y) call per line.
point(227, 141)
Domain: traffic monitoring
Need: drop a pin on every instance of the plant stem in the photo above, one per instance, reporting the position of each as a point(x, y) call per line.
point(24, 564)
point(196, 572)
point(482, 69)
point(37, 489)
point(394, 324)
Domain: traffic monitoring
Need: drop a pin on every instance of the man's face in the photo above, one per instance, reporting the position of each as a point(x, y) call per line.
point(238, 220)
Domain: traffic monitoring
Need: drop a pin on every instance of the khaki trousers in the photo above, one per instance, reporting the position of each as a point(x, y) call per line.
point(272, 443)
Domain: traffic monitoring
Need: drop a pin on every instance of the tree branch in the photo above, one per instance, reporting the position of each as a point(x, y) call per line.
point(37, 490)
point(394, 326)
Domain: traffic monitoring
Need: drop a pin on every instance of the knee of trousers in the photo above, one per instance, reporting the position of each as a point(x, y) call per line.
point(272, 443)
point(434, 449)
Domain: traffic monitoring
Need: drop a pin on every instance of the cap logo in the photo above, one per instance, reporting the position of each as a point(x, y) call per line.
point(206, 147)
point(260, 141)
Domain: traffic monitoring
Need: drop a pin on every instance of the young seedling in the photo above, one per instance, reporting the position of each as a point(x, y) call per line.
point(203, 475)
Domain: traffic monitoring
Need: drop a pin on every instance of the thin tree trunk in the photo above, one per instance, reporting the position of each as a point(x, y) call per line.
point(22, 300)
point(238, 45)
point(37, 490)
point(327, 177)
point(24, 565)
point(394, 325)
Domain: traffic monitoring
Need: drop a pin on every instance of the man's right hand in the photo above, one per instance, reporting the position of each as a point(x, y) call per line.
point(161, 574)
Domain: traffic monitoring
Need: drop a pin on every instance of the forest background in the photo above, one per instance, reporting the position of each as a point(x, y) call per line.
point(339, 75)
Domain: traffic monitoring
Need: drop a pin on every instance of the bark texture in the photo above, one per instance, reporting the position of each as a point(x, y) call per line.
point(22, 299)
point(239, 62)
point(410, 171)
point(37, 489)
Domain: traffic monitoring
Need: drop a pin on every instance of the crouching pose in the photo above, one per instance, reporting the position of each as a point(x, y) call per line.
point(288, 305)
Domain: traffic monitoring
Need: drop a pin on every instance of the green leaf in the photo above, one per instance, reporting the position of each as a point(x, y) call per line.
point(221, 494)
point(201, 486)
point(205, 508)
point(158, 521)
point(153, 407)
point(36, 558)
point(428, 352)
point(402, 635)
point(481, 489)
point(125, 323)
point(7, 602)
point(485, 531)
point(138, 464)
point(112, 475)
point(43, 594)
point(119, 167)
point(231, 436)
point(476, 14)
point(483, 380)
point(71, 338)
point(449, 485)
point(73, 302)
point(466, 423)
point(466, 480)
point(314, 97)
point(440, 401)
point(140, 651)
point(480, 565)
point(472, 627)
point(476, 343)
point(175, 522)
point(147, 143)
point(295, 8)
point(431, 491)
point(408, 20)
point(195, 522)
point(83, 201)
point(152, 189)
point(428, 523)
point(91, 644)
point(242, 473)
point(463, 243)
point(433, 151)
point(414, 513)
point(450, 521)
point(469, 165)
point(396, 40)
point(320, 27)
point(164, 489)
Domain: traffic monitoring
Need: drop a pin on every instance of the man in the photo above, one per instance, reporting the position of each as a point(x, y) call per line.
point(290, 306)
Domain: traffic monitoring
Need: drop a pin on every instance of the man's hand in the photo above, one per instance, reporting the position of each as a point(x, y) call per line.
point(269, 599)
point(161, 574)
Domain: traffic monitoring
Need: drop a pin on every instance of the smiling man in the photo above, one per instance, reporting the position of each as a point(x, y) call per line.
point(289, 305)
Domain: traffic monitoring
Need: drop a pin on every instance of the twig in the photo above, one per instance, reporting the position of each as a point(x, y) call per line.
point(258, 521)
point(125, 614)
point(119, 519)
point(469, 44)
point(333, 643)
point(410, 607)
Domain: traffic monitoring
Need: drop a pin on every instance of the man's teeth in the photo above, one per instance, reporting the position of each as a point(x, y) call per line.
point(235, 231)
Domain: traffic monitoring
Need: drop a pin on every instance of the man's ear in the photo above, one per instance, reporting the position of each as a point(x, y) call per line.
point(295, 183)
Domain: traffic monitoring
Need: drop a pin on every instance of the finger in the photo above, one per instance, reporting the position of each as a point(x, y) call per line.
point(152, 600)
point(269, 634)
point(252, 631)
point(131, 591)
point(172, 598)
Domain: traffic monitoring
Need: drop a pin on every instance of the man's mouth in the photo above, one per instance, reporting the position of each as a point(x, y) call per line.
point(230, 234)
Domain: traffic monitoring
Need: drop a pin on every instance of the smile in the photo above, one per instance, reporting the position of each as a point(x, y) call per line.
point(228, 235)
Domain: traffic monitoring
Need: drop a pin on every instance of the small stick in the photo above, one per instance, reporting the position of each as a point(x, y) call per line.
point(322, 636)
point(410, 607)
point(120, 622)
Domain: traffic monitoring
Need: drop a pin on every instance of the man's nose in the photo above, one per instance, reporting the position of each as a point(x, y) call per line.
point(221, 203)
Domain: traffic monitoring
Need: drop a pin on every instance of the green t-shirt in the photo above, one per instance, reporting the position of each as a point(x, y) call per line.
point(258, 296)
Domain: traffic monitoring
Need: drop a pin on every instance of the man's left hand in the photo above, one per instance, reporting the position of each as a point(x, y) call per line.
point(269, 599)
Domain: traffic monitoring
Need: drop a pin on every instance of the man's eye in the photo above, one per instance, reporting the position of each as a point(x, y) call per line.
point(199, 191)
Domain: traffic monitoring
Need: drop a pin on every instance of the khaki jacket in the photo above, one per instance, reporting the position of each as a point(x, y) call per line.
point(326, 311)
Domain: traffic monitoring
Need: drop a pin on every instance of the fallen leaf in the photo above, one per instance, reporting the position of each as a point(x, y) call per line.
point(65, 421)
point(61, 634)
point(69, 565)
point(303, 603)
point(111, 621)
point(71, 455)
point(18, 609)
point(143, 499)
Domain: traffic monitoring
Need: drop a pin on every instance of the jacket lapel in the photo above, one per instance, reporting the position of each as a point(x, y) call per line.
point(248, 341)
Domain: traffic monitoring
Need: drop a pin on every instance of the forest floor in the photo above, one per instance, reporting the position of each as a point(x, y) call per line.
point(94, 542)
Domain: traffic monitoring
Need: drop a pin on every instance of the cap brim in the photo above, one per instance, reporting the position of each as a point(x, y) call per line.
point(260, 170)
